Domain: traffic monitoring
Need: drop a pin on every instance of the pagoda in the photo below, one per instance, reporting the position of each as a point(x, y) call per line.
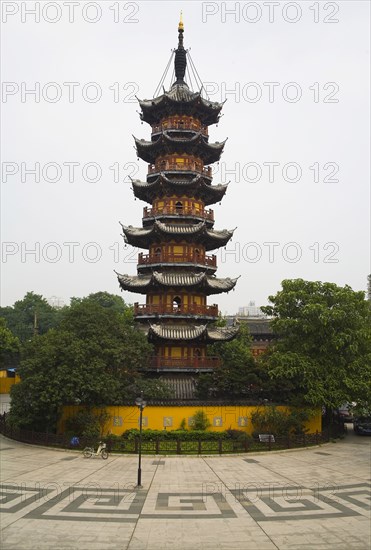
point(176, 273)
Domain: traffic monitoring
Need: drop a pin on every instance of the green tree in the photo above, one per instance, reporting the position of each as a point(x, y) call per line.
point(30, 316)
point(200, 421)
point(323, 341)
point(269, 419)
point(106, 300)
point(92, 358)
point(239, 375)
point(9, 346)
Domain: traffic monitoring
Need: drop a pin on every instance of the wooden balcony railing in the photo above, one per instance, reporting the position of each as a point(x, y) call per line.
point(172, 125)
point(191, 309)
point(176, 211)
point(197, 363)
point(191, 166)
point(146, 259)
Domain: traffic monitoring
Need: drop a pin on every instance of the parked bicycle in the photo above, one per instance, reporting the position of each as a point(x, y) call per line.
point(88, 452)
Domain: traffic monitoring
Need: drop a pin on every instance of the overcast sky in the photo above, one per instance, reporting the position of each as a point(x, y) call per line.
point(296, 79)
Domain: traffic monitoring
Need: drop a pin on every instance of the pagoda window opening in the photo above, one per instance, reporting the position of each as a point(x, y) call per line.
point(177, 302)
point(158, 252)
point(178, 207)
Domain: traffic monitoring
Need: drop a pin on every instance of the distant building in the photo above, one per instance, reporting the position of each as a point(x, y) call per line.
point(259, 328)
point(250, 311)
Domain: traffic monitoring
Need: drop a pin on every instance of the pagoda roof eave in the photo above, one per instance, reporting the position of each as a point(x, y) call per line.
point(141, 284)
point(210, 238)
point(189, 332)
point(180, 98)
point(165, 144)
point(210, 194)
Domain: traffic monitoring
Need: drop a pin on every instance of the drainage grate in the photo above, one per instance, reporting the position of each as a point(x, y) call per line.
point(251, 461)
point(69, 458)
point(158, 462)
point(6, 448)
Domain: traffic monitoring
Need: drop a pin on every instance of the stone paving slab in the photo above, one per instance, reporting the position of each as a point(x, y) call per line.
point(316, 498)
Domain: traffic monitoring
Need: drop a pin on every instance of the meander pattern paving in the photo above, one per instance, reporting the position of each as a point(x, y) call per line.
point(309, 498)
point(272, 503)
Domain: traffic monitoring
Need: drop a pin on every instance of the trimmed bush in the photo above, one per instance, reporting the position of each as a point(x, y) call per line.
point(185, 435)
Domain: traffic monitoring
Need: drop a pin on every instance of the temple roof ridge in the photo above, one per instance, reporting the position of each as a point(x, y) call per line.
point(209, 193)
point(141, 283)
point(142, 237)
point(198, 144)
point(166, 331)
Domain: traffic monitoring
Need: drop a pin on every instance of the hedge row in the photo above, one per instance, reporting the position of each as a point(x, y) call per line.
point(182, 435)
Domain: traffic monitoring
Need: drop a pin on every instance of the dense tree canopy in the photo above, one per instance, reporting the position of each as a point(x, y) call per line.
point(9, 346)
point(91, 353)
point(92, 358)
point(29, 316)
point(323, 341)
point(238, 376)
point(241, 376)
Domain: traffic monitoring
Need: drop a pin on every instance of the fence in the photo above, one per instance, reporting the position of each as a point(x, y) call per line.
point(177, 447)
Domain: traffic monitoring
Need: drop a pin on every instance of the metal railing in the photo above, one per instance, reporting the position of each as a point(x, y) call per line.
point(183, 167)
point(145, 259)
point(168, 445)
point(192, 309)
point(176, 211)
point(172, 125)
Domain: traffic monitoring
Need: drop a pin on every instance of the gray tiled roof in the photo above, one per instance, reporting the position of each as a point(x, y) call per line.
point(183, 387)
point(180, 93)
point(178, 332)
point(142, 237)
point(141, 283)
point(179, 229)
point(197, 144)
point(193, 332)
point(222, 333)
point(210, 193)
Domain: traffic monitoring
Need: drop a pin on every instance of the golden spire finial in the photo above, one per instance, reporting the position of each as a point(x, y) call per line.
point(181, 24)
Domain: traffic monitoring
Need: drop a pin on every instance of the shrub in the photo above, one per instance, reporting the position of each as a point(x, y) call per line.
point(238, 435)
point(181, 435)
point(183, 424)
point(271, 420)
point(87, 424)
point(200, 421)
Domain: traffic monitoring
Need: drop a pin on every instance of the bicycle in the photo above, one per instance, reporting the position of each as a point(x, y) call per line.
point(88, 452)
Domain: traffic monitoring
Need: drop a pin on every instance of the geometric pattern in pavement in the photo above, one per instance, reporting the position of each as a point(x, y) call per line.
point(188, 506)
point(92, 504)
point(279, 503)
point(263, 503)
point(14, 497)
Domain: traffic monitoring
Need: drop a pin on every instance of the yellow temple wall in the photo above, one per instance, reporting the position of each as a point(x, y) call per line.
point(221, 417)
point(7, 382)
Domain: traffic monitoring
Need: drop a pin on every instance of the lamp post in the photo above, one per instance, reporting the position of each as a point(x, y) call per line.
point(140, 403)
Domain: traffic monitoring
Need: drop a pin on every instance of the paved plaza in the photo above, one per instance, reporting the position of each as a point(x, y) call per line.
point(316, 498)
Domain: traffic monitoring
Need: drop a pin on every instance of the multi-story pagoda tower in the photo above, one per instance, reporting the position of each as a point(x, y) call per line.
point(177, 274)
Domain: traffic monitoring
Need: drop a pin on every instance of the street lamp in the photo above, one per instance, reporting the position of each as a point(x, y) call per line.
point(140, 403)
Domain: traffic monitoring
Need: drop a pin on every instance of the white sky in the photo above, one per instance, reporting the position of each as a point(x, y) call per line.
point(231, 52)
